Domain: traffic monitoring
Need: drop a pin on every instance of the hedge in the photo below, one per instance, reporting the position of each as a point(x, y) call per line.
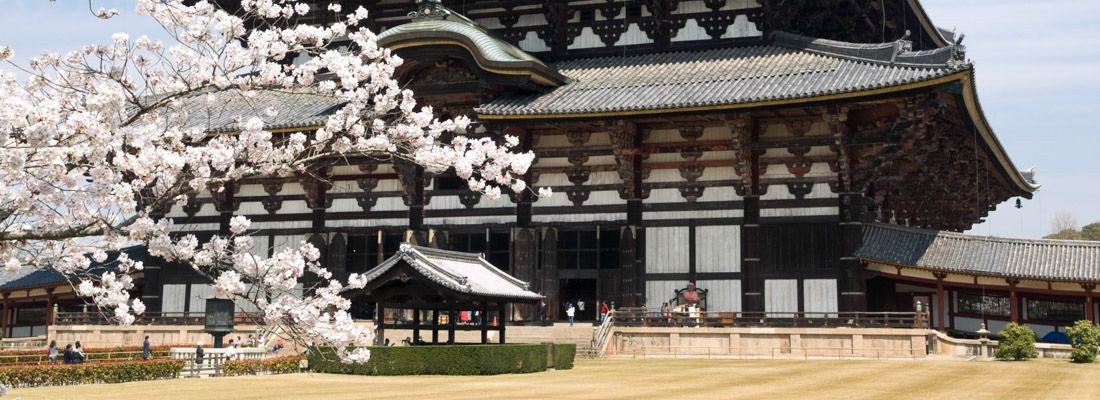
point(437, 360)
point(277, 365)
point(564, 355)
point(113, 372)
point(12, 357)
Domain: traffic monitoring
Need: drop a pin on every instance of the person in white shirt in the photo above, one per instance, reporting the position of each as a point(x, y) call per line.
point(570, 312)
point(231, 351)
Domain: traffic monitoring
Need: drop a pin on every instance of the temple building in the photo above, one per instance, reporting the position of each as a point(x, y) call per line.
point(786, 156)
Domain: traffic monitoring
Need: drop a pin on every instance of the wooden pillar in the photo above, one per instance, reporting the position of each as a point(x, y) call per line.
point(381, 324)
point(435, 326)
point(485, 323)
point(1014, 303)
point(451, 326)
point(747, 166)
point(4, 318)
point(941, 300)
point(49, 308)
point(1090, 314)
point(416, 325)
point(500, 320)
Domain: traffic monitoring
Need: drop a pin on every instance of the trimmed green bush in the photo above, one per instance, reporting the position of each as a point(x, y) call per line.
point(1017, 342)
point(564, 355)
point(276, 365)
point(1084, 336)
point(12, 357)
point(71, 374)
point(437, 360)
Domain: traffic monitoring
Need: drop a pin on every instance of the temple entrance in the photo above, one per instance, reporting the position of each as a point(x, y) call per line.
point(578, 291)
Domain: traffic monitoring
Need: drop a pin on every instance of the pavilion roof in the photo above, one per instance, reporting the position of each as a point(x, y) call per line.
point(465, 273)
point(1059, 260)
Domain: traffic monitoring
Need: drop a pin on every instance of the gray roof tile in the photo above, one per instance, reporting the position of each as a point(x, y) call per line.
point(462, 272)
point(297, 108)
point(1061, 260)
point(790, 67)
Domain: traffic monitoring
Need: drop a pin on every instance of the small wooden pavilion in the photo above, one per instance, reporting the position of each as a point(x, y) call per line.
point(436, 286)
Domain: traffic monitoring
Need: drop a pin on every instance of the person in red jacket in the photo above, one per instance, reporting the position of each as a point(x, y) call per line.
point(603, 311)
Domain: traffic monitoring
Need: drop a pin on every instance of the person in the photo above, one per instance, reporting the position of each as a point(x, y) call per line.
point(603, 311)
point(146, 349)
point(570, 312)
point(53, 352)
point(67, 357)
point(78, 353)
point(199, 353)
point(278, 345)
point(239, 342)
point(580, 305)
point(386, 343)
point(407, 341)
point(542, 310)
point(251, 341)
point(231, 351)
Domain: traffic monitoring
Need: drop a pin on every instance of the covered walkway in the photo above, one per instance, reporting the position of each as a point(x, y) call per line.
point(969, 280)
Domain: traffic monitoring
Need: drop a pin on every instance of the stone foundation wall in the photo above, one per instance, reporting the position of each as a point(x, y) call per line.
point(769, 342)
point(159, 335)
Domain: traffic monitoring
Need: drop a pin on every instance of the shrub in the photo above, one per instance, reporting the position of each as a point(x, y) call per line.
point(113, 372)
point(1084, 336)
point(1017, 342)
point(12, 357)
point(564, 355)
point(437, 360)
point(277, 365)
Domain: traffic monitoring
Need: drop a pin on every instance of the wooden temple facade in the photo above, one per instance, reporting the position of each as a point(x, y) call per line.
point(738, 144)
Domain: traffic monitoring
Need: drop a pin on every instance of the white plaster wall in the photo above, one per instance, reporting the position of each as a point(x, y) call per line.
point(718, 248)
point(666, 250)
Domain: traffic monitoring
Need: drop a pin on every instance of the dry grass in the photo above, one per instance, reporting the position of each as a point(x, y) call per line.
point(634, 379)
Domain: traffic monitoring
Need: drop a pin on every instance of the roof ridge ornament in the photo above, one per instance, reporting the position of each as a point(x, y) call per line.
point(430, 9)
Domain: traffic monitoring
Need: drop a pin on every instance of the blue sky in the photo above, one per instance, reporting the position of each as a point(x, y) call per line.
point(1038, 77)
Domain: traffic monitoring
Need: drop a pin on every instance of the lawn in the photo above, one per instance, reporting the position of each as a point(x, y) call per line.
point(633, 379)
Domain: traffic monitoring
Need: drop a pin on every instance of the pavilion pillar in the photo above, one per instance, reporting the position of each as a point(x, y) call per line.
point(484, 323)
point(1090, 314)
point(451, 326)
point(941, 296)
point(416, 325)
point(500, 320)
point(380, 325)
point(435, 326)
point(1014, 304)
point(4, 318)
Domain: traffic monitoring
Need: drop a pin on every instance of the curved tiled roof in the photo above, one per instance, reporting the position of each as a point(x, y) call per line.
point(790, 67)
point(1060, 260)
point(462, 272)
point(297, 108)
point(35, 278)
point(491, 53)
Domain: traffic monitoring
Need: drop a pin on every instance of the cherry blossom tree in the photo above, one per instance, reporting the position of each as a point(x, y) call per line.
point(94, 142)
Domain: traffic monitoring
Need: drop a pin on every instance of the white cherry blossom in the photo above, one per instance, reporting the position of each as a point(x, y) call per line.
point(96, 143)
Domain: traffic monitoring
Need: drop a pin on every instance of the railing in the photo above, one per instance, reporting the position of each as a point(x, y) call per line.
point(213, 359)
point(599, 337)
point(44, 357)
point(149, 318)
point(634, 317)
